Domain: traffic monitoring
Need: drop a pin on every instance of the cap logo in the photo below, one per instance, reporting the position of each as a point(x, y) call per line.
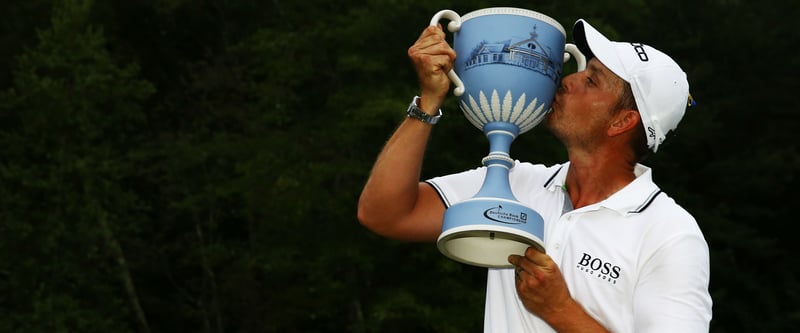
point(691, 102)
point(639, 48)
point(652, 132)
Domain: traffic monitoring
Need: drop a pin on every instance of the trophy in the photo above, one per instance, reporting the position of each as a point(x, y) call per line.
point(506, 74)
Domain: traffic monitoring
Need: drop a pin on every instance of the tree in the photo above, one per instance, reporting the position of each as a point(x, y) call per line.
point(69, 122)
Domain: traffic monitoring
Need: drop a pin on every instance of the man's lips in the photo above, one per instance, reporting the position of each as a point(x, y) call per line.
point(555, 103)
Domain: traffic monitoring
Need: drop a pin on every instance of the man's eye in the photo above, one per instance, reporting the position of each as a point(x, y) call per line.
point(589, 80)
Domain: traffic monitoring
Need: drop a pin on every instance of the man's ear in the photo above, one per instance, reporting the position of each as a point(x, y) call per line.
point(624, 121)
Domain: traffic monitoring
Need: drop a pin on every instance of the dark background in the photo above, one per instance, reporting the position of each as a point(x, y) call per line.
point(194, 166)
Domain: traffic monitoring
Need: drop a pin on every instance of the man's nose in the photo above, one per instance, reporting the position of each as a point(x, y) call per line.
point(566, 82)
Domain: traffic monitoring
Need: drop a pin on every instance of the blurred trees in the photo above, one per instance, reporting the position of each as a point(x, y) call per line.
point(178, 165)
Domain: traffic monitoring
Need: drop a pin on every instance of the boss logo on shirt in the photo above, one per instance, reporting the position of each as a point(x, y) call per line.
point(599, 268)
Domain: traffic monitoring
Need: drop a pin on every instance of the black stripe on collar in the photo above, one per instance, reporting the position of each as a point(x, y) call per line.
point(549, 181)
point(647, 203)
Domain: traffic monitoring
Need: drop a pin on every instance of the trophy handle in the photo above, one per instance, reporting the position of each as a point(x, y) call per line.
point(571, 49)
point(453, 26)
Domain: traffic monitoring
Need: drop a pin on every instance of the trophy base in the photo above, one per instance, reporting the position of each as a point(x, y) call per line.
point(484, 231)
point(486, 245)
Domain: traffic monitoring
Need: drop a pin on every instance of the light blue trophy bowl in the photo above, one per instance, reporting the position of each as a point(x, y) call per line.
point(506, 73)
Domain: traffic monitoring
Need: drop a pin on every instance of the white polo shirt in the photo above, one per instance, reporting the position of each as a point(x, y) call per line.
point(636, 262)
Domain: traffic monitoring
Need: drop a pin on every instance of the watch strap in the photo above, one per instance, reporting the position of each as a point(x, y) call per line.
point(415, 112)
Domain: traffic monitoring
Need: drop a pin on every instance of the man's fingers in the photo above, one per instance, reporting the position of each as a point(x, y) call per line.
point(538, 257)
point(417, 51)
point(535, 262)
point(430, 36)
point(432, 41)
point(521, 263)
point(432, 31)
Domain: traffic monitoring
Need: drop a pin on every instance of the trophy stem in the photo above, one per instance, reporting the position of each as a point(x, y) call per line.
point(499, 161)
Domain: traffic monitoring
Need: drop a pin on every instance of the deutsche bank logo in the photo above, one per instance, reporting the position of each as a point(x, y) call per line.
point(498, 214)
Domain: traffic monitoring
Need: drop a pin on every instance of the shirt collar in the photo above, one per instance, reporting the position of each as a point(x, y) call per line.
point(631, 199)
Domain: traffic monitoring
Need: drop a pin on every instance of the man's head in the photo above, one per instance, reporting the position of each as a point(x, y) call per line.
point(658, 84)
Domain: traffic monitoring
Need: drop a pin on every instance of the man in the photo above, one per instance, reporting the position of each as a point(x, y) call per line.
point(620, 255)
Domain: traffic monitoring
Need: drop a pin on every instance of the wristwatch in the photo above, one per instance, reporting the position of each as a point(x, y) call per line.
point(415, 112)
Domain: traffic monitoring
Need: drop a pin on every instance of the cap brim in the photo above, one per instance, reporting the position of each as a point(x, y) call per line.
point(594, 45)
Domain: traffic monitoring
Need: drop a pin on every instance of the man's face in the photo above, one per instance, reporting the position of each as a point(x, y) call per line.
point(584, 105)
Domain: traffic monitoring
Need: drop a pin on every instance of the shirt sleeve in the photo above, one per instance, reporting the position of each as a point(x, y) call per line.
point(458, 187)
point(672, 292)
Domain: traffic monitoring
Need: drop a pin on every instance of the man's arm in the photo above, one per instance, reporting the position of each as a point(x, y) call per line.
point(393, 202)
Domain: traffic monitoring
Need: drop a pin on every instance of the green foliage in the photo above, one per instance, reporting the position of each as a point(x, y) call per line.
point(194, 166)
point(69, 119)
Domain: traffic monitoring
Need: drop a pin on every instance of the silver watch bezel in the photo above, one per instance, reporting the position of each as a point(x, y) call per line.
point(415, 112)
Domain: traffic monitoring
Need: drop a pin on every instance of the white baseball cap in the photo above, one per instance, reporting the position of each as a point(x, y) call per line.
point(659, 85)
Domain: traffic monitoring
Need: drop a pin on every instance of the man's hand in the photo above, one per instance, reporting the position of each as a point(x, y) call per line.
point(540, 285)
point(433, 58)
point(544, 292)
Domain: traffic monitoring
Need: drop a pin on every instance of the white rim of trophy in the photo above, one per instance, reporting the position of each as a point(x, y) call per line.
point(488, 245)
point(515, 11)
